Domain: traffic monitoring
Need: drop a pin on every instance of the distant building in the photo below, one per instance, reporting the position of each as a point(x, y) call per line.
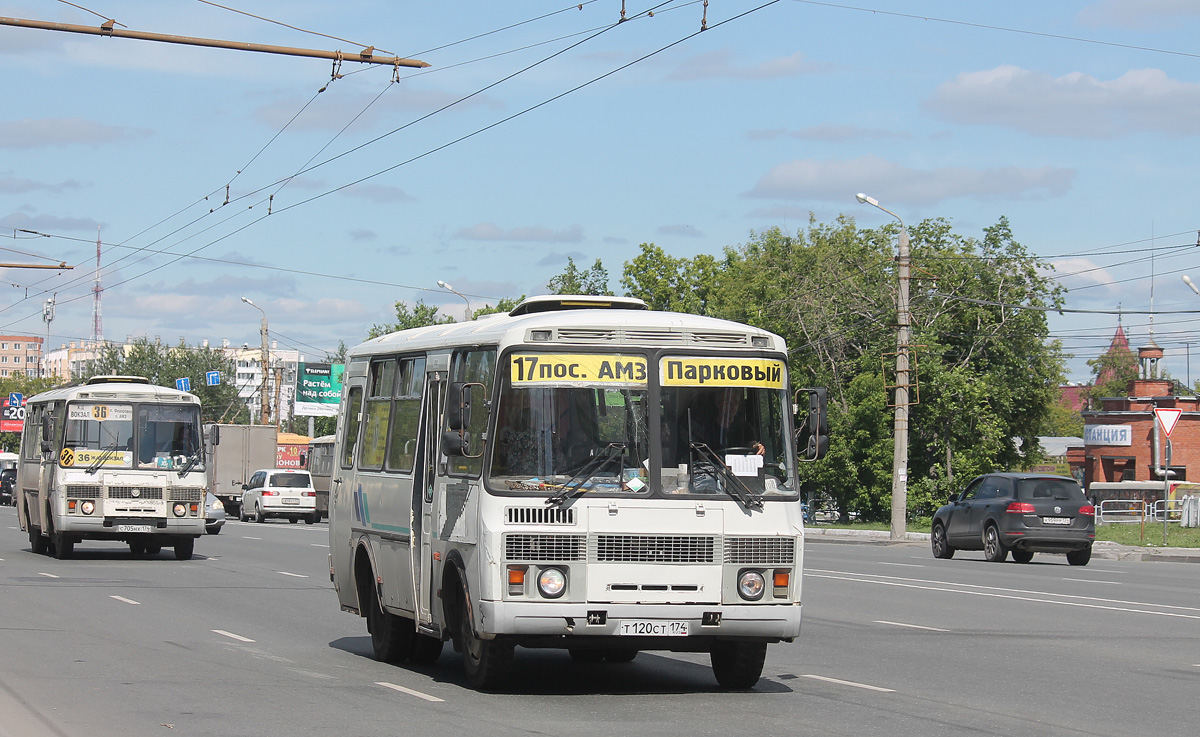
point(71, 360)
point(20, 355)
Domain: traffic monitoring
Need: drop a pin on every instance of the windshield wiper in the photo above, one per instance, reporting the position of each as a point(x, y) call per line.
point(104, 456)
point(192, 460)
point(586, 472)
point(733, 486)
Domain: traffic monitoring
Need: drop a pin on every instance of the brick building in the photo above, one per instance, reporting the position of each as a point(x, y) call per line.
point(20, 355)
point(1122, 440)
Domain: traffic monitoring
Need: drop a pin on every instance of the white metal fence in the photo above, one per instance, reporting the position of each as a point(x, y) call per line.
point(1186, 511)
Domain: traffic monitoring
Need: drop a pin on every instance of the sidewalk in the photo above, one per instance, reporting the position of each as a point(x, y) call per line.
point(1101, 550)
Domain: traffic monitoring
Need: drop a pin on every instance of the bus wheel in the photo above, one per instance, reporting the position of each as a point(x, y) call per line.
point(585, 655)
point(37, 543)
point(137, 547)
point(486, 662)
point(620, 656)
point(64, 547)
point(153, 549)
point(738, 664)
point(391, 636)
point(184, 548)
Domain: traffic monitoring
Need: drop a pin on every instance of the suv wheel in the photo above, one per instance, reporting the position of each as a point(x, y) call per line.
point(1080, 557)
point(993, 548)
point(941, 545)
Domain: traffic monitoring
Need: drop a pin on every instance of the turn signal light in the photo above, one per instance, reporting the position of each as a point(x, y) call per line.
point(1087, 510)
point(516, 581)
point(1020, 508)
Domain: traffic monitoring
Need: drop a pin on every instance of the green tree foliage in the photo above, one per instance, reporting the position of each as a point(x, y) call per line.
point(505, 305)
point(162, 365)
point(574, 280)
point(418, 316)
point(1111, 373)
point(668, 283)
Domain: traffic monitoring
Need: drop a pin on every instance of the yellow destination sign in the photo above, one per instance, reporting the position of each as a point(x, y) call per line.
point(583, 369)
point(759, 373)
point(71, 457)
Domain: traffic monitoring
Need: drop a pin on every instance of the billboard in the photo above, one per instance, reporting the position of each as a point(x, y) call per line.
point(12, 418)
point(319, 389)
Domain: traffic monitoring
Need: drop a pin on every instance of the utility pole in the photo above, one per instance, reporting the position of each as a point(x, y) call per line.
point(900, 433)
point(366, 56)
point(266, 362)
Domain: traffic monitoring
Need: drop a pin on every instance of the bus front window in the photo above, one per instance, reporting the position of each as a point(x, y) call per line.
point(101, 432)
point(549, 436)
point(167, 436)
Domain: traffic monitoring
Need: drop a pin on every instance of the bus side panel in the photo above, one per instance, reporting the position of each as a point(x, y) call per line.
point(343, 500)
point(385, 511)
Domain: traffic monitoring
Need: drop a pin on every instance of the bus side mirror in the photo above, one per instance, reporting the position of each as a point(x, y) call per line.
point(458, 405)
point(455, 442)
point(813, 434)
point(214, 435)
point(47, 445)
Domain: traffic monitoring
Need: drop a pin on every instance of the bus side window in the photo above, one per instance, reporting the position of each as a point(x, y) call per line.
point(350, 439)
point(476, 366)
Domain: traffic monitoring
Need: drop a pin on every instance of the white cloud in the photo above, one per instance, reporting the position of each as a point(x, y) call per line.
point(47, 223)
point(1075, 105)
point(527, 234)
point(1138, 13)
point(20, 185)
point(838, 179)
point(31, 133)
point(1082, 272)
point(723, 65)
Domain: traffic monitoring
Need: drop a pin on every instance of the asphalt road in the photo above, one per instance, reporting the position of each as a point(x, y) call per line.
point(247, 639)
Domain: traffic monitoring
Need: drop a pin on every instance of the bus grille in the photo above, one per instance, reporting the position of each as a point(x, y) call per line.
point(761, 550)
point(539, 516)
point(185, 494)
point(142, 492)
point(84, 491)
point(654, 549)
point(544, 547)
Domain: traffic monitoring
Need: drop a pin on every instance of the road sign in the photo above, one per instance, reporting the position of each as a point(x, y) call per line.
point(1167, 417)
point(212, 378)
point(14, 399)
point(184, 384)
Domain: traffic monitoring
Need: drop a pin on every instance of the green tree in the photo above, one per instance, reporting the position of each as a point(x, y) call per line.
point(418, 316)
point(668, 283)
point(162, 365)
point(574, 280)
point(504, 305)
point(1111, 373)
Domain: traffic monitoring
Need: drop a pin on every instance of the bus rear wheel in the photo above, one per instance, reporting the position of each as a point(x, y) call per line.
point(391, 636)
point(38, 544)
point(486, 662)
point(738, 665)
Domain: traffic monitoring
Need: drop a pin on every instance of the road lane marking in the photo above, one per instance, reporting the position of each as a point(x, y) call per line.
point(840, 682)
point(122, 598)
point(990, 591)
point(48, 575)
point(913, 626)
point(1092, 580)
point(408, 691)
point(236, 637)
point(906, 565)
point(294, 575)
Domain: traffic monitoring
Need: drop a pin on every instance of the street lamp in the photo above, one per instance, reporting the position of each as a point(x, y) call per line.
point(266, 361)
point(900, 451)
point(449, 288)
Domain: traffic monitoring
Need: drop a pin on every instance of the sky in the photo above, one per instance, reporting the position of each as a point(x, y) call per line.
point(543, 131)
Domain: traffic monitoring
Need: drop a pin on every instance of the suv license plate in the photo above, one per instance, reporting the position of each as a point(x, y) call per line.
point(647, 627)
point(1056, 520)
point(135, 528)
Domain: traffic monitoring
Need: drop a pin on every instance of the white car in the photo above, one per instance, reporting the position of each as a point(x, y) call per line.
point(279, 492)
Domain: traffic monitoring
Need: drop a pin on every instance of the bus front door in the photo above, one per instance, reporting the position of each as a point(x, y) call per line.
point(423, 486)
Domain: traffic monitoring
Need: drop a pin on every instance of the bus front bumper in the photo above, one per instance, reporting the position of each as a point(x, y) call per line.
point(665, 622)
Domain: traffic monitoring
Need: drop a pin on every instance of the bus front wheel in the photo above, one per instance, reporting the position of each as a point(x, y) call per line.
point(738, 665)
point(184, 548)
point(486, 662)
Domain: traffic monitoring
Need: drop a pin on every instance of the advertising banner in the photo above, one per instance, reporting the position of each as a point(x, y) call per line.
point(319, 389)
point(12, 419)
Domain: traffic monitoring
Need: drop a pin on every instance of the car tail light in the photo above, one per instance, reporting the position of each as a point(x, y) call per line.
point(1087, 510)
point(269, 493)
point(308, 493)
point(1020, 508)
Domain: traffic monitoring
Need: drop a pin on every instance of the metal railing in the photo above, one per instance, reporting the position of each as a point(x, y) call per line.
point(1120, 510)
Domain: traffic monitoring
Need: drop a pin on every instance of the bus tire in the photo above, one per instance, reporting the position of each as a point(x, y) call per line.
point(487, 662)
point(184, 548)
point(64, 547)
point(391, 636)
point(38, 544)
point(585, 655)
point(622, 655)
point(738, 665)
point(137, 548)
point(153, 548)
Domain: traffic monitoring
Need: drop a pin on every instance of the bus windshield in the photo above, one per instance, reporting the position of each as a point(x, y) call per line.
point(98, 433)
point(572, 421)
point(167, 436)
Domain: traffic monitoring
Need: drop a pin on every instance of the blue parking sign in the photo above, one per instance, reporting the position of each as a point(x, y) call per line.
point(184, 384)
point(212, 378)
point(14, 399)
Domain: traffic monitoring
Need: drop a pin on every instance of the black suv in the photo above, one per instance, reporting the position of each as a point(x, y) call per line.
point(8, 479)
point(1024, 513)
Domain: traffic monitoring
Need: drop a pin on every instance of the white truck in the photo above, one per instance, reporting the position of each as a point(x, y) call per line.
point(234, 453)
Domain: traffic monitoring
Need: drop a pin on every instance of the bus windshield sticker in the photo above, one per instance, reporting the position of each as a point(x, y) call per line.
point(758, 373)
point(72, 457)
point(584, 369)
point(100, 412)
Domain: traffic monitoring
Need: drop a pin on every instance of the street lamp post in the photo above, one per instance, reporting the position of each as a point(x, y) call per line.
point(900, 450)
point(449, 288)
point(266, 361)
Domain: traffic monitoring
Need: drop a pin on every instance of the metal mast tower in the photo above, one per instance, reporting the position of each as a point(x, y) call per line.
point(97, 290)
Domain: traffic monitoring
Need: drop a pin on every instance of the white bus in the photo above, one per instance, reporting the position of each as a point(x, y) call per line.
point(320, 465)
point(115, 458)
point(580, 473)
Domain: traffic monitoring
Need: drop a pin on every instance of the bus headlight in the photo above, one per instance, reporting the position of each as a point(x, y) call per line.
point(87, 507)
point(552, 582)
point(751, 585)
point(180, 510)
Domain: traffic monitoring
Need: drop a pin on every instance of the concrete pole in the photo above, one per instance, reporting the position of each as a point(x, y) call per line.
point(900, 451)
point(266, 368)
